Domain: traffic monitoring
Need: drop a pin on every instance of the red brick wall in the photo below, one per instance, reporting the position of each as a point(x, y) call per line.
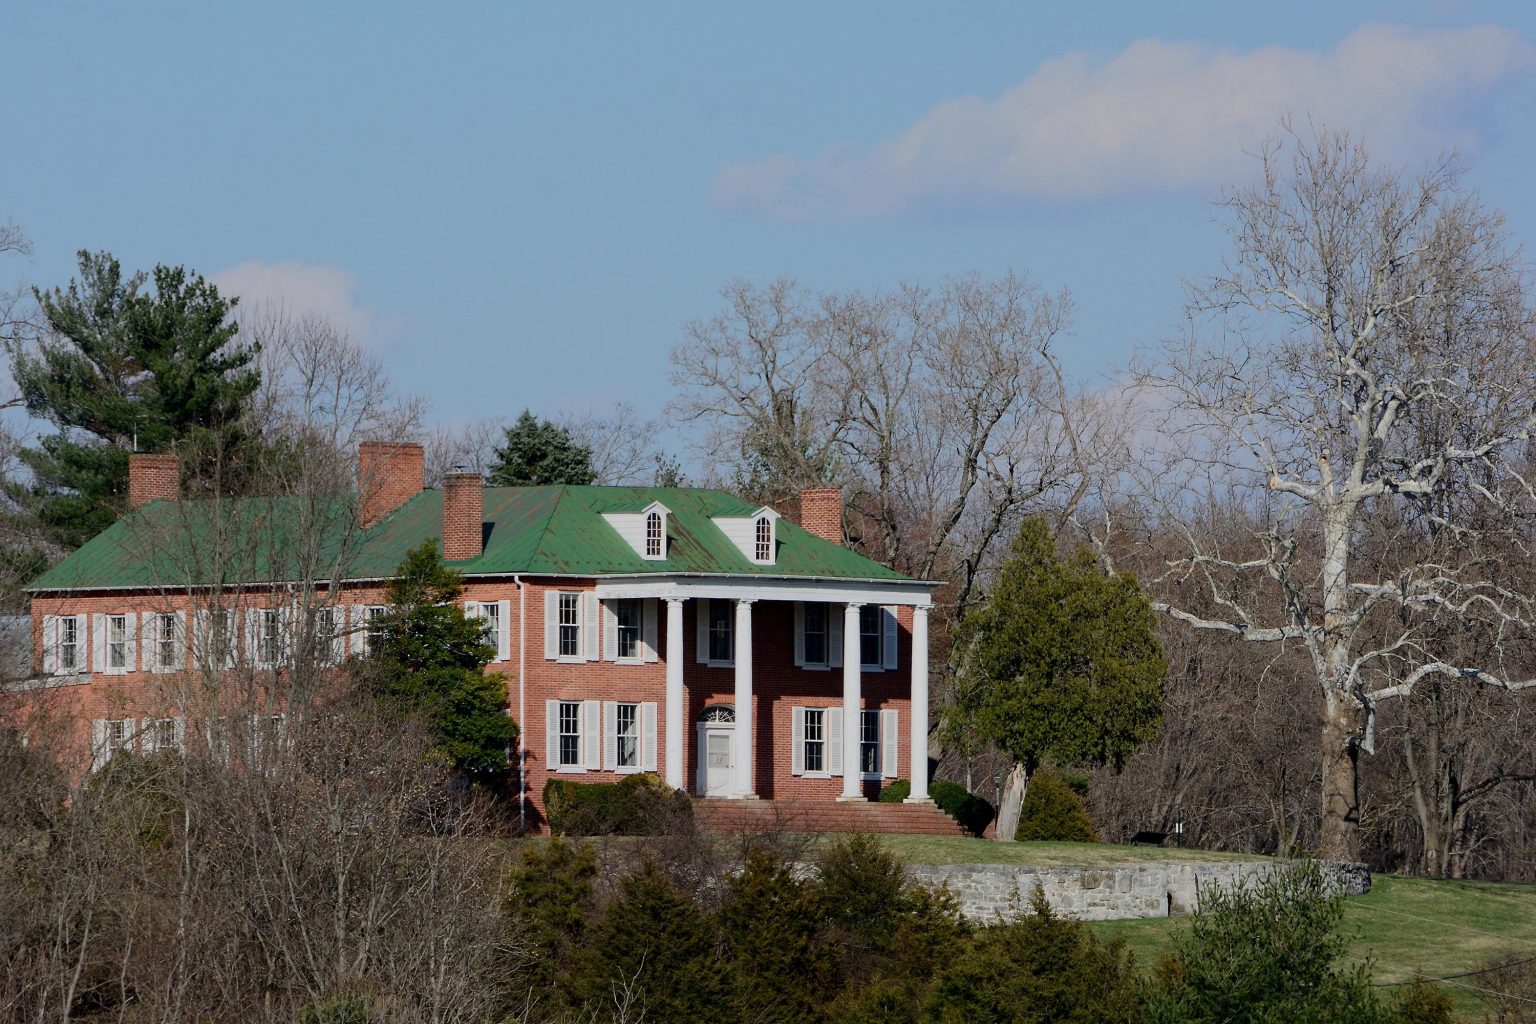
point(778, 685)
point(821, 512)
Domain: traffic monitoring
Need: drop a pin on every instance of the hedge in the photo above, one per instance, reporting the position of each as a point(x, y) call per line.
point(972, 812)
point(636, 805)
point(1054, 810)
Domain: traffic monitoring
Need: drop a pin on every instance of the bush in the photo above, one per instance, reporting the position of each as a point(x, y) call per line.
point(972, 812)
point(1054, 811)
point(637, 805)
point(1040, 968)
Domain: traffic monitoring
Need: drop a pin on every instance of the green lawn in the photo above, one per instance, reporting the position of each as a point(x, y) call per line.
point(961, 850)
point(1403, 924)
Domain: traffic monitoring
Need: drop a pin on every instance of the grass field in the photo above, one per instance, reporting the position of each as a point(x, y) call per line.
point(1404, 924)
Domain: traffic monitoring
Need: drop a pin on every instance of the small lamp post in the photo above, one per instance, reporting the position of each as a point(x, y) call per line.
point(997, 789)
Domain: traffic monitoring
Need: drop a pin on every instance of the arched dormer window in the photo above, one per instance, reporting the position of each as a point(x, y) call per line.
point(655, 536)
point(763, 548)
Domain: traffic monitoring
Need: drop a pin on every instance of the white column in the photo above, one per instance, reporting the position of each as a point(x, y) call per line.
point(742, 642)
point(919, 707)
point(675, 707)
point(853, 779)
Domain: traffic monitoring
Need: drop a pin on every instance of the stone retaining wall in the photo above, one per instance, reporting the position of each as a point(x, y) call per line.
point(989, 892)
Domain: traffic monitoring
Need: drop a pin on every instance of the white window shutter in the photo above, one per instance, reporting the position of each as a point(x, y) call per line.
point(610, 631)
point(589, 625)
point(889, 735)
point(648, 610)
point(592, 733)
point(252, 634)
point(610, 735)
point(99, 752)
point(352, 618)
point(51, 646)
point(504, 631)
point(799, 634)
point(552, 734)
point(890, 630)
point(797, 741)
point(149, 736)
point(181, 642)
point(648, 736)
point(131, 642)
point(146, 644)
point(98, 662)
point(835, 635)
point(551, 625)
point(834, 731)
point(471, 609)
point(701, 618)
point(180, 725)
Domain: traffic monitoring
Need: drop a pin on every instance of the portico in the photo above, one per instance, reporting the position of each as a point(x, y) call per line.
point(823, 720)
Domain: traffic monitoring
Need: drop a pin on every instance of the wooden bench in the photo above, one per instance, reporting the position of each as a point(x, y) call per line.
point(1149, 838)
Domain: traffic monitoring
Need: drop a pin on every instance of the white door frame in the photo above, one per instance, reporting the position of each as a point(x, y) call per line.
point(702, 732)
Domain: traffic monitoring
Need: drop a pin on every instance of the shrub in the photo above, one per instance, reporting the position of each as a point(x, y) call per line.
point(1039, 968)
point(771, 922)
point(1054, 811)
point(1270, 951)
point(637, 805)
point(972, 812)
point(549, 911)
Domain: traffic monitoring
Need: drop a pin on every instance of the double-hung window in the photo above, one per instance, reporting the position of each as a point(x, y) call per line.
point(69, 643)
point(762, 548)
point(871, 644)
point(117, 642)
point(815, 740)
point(817, 634)
point(570, 734)
point(629, 614)
point(869, 742)
point(722, 647)
point(490, 623)
point(627, 735)
point(373, 625)
point(268, 642)
point(655, 536)
point(165, 641)
point(570, 626)
point(325, 651)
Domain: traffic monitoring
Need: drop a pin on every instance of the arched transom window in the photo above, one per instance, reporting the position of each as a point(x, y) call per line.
point(719, 713)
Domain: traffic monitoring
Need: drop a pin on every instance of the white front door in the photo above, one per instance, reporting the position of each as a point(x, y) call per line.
point(715, 757)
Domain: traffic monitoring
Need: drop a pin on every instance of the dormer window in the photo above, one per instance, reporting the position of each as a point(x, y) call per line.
point(655, 536)
point(645, 530)
point(755, 535)
point(763, 549)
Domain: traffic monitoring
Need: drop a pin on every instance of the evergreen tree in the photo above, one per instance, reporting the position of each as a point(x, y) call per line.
point(1061, 661)
point(536, 452)
point(119, 366)
point(772, 924)
point(428, 658)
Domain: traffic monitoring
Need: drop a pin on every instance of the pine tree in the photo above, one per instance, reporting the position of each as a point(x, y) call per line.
point(117, 367)
point(536, 452)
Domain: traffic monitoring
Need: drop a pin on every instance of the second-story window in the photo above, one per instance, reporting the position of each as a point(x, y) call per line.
point(373, 622)
point(69, 643)
point(490, 622)
point(267, 639)
point(117, 641)
point(721, 647)
point(817, 638)
point(763, 549)
point(655, 540)
point(570, 625)
point(627, 637)
point(325, 635)
point(165, 640)
point(871, 640)
point(221, 638)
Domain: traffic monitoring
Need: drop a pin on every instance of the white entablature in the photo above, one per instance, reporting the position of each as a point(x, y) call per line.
point(748, 588)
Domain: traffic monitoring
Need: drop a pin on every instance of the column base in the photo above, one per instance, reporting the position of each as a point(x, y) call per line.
point(918, 800)
point(746, 796)
point(846, 799)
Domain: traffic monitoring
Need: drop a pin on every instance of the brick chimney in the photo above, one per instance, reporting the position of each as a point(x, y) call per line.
point(389, 474)
point(463, 515)
point(153, 478)
point(821, 512)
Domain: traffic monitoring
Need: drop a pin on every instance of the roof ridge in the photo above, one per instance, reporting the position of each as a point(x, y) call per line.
point(554, 507)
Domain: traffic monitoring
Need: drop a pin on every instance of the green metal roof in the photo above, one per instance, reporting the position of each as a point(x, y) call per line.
point(535, 531)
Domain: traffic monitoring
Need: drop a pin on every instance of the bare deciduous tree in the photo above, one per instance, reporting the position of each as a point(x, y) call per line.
point(1364, 354)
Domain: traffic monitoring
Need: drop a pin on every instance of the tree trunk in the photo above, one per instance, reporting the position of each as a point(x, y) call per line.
point(1014, 786)
point(1341, 782)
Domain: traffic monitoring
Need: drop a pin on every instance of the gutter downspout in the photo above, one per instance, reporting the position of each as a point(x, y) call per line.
point(522, 705)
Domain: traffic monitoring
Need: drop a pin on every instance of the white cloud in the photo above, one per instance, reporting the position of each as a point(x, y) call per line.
point(298, 288)
point(1158, 116)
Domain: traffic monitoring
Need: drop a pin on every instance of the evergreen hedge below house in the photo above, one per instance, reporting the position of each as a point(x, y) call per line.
point(972, 812)
point(637, 805)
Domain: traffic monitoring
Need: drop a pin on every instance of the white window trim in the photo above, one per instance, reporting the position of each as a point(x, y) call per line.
point(503, 613)
point(589, 736)
point(633, 528)
point(831, 742)
point(645, 651)
point(583, 643)
point(150, 637)
point(742, 532)
point(703, 607)
point(130, 643)
point(834, 638)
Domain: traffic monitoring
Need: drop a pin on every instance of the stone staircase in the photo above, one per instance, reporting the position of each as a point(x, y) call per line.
point(716, 815)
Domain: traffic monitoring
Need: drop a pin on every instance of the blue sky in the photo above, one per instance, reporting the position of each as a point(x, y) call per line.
point(520, 206)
